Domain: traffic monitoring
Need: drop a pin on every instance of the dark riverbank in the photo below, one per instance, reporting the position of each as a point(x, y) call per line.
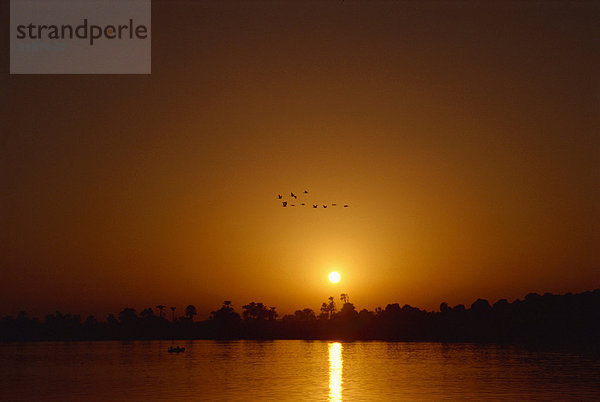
point(570, 319)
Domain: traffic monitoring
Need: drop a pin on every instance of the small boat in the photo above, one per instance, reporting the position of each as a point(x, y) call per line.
point(177, 349)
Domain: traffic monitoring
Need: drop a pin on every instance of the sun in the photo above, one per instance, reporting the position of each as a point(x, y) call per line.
point(334, 277)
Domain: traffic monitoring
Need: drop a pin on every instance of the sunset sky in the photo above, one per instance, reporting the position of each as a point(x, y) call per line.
point(465, 136)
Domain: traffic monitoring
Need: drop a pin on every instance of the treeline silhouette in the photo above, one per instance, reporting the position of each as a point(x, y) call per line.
point(548, 318)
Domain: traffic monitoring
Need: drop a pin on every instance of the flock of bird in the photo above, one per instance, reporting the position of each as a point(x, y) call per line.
point(302, 204)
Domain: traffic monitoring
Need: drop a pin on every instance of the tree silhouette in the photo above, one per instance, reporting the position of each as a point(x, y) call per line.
point(111, 320)
point(324, 311)
point(225, 313)
point(190, 312)
point(481, 306)
point(225, 322)
point(127, 316)
point(348, 311)
point(160, 308)
point(328, 309)
point(331, 307)
point(146, 313)
point(569, 319)
point(256, 311)
point(173, 313)
point(305, 315)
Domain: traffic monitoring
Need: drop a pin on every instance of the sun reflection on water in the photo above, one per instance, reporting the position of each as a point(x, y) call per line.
point(335, 371)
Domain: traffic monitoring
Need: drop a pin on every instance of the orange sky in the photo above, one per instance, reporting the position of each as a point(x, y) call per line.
point(464, 135)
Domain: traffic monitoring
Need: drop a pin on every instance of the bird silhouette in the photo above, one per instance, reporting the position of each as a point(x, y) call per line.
point(287, 204)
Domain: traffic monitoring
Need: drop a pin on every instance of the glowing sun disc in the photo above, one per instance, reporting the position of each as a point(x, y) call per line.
point(334, 277)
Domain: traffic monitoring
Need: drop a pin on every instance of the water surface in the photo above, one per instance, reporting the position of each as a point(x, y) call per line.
point(292, 370)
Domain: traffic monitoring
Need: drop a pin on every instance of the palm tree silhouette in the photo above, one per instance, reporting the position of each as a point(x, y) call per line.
point(173, 313)
point(160, 308)
point(190, 312)
point(331, 307)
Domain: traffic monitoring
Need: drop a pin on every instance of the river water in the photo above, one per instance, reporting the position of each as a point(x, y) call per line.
point(292, 370)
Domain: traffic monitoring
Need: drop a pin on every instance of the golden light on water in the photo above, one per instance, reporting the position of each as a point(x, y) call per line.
point(335, 371)
point(334, 277)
